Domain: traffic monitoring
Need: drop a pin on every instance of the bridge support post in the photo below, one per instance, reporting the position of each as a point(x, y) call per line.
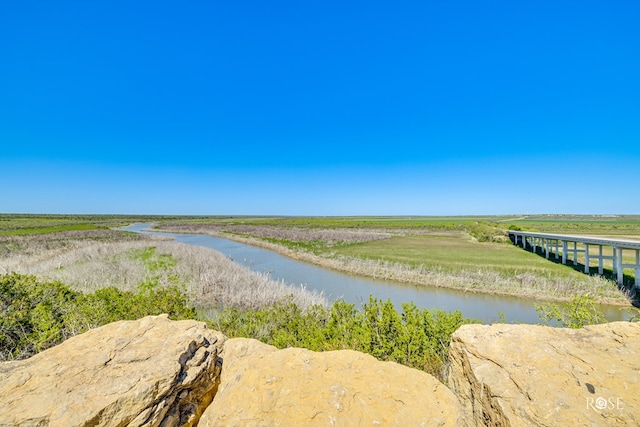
point(564, 252)
point(637, 281)
point(619, 269)
point(586, 258)
point(575, 253)
point(600, 269)
point(547, 247)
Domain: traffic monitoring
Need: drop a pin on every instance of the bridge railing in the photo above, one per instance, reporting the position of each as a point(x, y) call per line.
point(559, 245)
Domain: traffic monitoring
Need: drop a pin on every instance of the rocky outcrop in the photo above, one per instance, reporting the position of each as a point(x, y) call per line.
point(523, 375)
point(263, 386)
point(148, 372)
point(157, 372)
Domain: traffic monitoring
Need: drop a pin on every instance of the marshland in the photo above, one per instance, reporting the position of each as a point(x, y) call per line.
point(472, 256)
point(468, 254)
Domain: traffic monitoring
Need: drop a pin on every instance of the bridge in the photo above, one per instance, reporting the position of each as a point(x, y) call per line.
point(564, 246)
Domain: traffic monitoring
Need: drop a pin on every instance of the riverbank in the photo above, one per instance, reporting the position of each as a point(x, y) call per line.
point(541, 286)
point(449, 253)
point(94, 259)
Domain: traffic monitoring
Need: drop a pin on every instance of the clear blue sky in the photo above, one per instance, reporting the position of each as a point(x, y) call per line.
point(320, 108)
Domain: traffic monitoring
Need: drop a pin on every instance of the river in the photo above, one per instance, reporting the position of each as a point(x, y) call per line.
point(356, 290)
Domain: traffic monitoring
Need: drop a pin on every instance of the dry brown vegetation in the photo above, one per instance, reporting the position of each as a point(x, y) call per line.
point(536, 283)
point(95, 259)
point(328, 236)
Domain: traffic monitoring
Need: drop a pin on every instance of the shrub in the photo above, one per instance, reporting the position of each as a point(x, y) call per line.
point(36, 315)
point(581, 311)
point(31, 314)
point(416, 338)
point(487, 232)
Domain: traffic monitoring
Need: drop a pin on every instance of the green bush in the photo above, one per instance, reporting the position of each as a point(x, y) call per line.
point(36, 315)
point(487, 232)
point(31, 314)
point(581, 311)
point(416, 338)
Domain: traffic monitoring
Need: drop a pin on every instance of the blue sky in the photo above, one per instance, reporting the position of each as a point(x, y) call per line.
point(320, 108)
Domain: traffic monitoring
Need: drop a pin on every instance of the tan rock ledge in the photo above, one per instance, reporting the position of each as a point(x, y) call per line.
point(147, 372)
point(525, 375)
point(263, 386)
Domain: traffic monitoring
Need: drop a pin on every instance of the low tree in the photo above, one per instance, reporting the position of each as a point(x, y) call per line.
point(581, 311)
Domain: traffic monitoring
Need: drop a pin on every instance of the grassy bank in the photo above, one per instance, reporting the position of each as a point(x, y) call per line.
point(469, 254)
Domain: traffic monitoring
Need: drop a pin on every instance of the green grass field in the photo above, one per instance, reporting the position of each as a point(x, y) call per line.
point(394, 222)
point(628, 225)
point(453, 251)
point(30, 224)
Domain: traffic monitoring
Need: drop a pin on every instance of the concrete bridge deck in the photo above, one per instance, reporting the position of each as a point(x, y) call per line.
point(566, 245)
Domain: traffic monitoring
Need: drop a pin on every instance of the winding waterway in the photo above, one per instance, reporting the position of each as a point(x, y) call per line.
point(356, 290)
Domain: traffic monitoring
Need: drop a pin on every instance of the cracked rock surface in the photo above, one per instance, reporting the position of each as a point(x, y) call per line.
point(525, 375)
point(263, 386)
point(149, 372)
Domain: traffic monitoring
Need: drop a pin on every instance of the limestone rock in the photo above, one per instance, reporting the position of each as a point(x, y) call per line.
point(147, 372)
point(263, 386)
point(523, 375)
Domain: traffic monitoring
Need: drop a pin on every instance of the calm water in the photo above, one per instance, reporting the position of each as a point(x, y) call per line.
point(356, 290)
